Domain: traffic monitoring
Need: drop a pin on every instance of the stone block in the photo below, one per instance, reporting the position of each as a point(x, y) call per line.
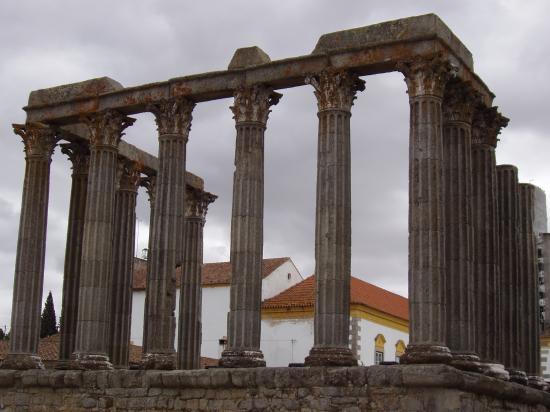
point(73, 379)
point(243, 378)
point(56, 379)
point(171, 379)
point(29, 378)
point(384, 376)
point(7, 377)
point(88, 403)
point(220, 378)
point(248, 57)
point(153, 379)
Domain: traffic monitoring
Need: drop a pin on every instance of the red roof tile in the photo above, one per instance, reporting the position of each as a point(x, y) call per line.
point(302, 295)
point(218, 273)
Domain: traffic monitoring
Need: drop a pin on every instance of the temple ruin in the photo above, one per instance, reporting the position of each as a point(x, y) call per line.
point(474, 321)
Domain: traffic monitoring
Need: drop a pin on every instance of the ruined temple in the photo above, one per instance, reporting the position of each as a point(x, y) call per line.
point(474, 332)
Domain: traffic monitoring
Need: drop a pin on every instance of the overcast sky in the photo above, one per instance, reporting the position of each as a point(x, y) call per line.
point(44, 44)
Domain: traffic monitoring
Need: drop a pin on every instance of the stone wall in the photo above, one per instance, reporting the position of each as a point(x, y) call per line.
point(376, 388)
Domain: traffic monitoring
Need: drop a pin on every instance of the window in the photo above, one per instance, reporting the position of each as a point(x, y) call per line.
point(379, 342)
point(399, 350)
point(288, 276)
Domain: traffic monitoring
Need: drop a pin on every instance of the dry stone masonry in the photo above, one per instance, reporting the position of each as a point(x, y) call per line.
point(472, 264)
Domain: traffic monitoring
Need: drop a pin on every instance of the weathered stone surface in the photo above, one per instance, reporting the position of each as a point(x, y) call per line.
point(247, 57)
point(398, 387)
point(87, 88)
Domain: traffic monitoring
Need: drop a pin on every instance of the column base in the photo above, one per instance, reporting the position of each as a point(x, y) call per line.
point(331, 356)
point(495, 370)
point(242, 359)
point(426, 353)
point(517, 376)
point(22, 361)
point(466, 361)
point(537, 382)
point(91, 361)
point(159, 361)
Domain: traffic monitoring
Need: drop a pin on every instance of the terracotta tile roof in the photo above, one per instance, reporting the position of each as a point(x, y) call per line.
point(48, 350)
point(218, 273)
point(302, 295)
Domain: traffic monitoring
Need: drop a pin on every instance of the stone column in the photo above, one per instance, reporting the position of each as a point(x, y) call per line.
point(79, 155)
point(486, 126)
point(92, 330)
point(39, 141)
point(508, 203)
point(458, 103)
point(335, 93)
point(529, 331)
point(190, 325)
point(250, 110)
point(173, 119)
point(123, 263)
point(426, 80)
point(149, 183)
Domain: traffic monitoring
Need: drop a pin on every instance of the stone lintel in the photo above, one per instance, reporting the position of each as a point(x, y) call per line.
point(426, 36)
point(246, 57)
point(149, 163)
point(87, 88)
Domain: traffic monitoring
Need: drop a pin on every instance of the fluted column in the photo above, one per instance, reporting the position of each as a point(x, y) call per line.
point(79, 155)
point(149, 183)
point(458, 104)
point(250, 111)
point(335, 93)
point(92, 330)
point(39, 141)
point(508, 203)
point(190, 325)
point(426, 80)
point(173, 119)
point(486, 126)
point(529, 331)
point(123, 263)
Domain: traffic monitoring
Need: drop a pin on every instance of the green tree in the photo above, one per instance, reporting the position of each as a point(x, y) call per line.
point(2, 334)
point(48, 324)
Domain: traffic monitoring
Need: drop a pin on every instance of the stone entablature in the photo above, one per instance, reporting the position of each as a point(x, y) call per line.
point(376, 389)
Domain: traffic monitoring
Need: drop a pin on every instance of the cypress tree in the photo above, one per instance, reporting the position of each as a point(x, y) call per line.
point(48, 324)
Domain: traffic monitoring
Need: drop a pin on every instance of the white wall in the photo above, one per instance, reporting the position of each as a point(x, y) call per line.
point(279, 280)
point(286, 341)
point(369, 331)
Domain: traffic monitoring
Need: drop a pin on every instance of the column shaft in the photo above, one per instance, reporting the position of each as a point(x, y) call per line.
point(31, 249)
point(251, 109)
point(458, 106)
point(190, 325)
point(508, 203)
point(149, 182)
point(79, 156)
point(486, 269)
point(96, 267)
point(123, 265)
point(174, 121)
point(426, 80)
point(529, 331)
point(335, 93)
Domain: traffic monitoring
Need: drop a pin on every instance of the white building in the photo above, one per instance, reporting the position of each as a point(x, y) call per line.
point(379, 319)
point(278, 274)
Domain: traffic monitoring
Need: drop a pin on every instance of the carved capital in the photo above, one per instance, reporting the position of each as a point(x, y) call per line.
point(196, 203)
point(252, 104)
point(487, 124)
point(39, 139)
point(173, 116)
point(459, 102)
point(128, 176)
point(335, 90)
point(106, 128)
point(149, 183)
point(79, 155)
point(427, 76)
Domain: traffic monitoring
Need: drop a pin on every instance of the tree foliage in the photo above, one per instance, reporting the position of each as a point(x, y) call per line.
point(48, 324)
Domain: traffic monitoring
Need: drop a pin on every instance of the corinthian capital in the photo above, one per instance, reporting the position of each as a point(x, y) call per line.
point(149, 183)
point(252, 104)
point(459, 102)
point(173, 116)
point(427, 76)
point(128, 175)
point(335, 89)
point(196, 203)
point(79, 155)
point(486, 125)
point(106, 128)
point(39, 139)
